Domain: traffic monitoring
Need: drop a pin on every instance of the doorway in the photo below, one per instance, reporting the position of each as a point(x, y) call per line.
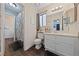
point(13, 24)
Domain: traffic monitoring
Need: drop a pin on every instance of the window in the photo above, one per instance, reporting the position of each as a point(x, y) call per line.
point(42, 20)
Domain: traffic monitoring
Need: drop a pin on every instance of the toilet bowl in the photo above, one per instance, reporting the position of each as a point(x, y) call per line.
point(37, 43)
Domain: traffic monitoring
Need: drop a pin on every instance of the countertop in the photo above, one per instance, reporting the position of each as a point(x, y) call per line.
point(60, 33)
point(63, 34)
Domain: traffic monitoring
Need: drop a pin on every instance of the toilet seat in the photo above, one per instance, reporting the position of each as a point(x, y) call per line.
point(37, 41)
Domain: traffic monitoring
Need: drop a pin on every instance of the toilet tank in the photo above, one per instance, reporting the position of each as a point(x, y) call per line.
point(40, 35)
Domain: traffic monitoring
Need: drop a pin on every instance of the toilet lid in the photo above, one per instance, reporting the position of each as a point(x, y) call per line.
point(37, 40)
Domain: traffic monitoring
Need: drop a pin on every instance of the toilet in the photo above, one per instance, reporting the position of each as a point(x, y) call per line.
point(37, 43)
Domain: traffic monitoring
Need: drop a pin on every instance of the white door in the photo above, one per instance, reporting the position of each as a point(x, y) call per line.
point(2, 17)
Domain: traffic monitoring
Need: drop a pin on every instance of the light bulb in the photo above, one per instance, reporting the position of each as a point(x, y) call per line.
point(60, 6)
point(56, 8)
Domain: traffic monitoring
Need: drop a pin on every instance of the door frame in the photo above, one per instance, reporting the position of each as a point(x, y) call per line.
point(2, 28)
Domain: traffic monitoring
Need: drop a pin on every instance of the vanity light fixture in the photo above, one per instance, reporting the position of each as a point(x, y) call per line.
point(57, 8)
point(53, 9)
point(61, 6)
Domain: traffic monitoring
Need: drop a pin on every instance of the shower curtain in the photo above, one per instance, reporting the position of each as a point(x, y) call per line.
point(18, 27)
point(19, 35)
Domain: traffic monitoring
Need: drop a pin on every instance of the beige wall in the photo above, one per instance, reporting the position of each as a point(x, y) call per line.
point(10, 22)
point(9, 25)
point(68, 9)
point(74, 28)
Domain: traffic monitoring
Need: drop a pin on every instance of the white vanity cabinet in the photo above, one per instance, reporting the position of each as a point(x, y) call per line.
point(62, 45)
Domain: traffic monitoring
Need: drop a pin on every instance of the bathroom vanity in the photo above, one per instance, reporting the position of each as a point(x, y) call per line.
point(62, 43)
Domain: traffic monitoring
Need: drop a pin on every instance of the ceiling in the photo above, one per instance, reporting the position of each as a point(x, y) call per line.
point(18, 9)
point(41, 5)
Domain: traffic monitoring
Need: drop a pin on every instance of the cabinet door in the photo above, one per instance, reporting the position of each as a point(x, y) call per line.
point(64, 49)
point(50, 42)
point(64, 45)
